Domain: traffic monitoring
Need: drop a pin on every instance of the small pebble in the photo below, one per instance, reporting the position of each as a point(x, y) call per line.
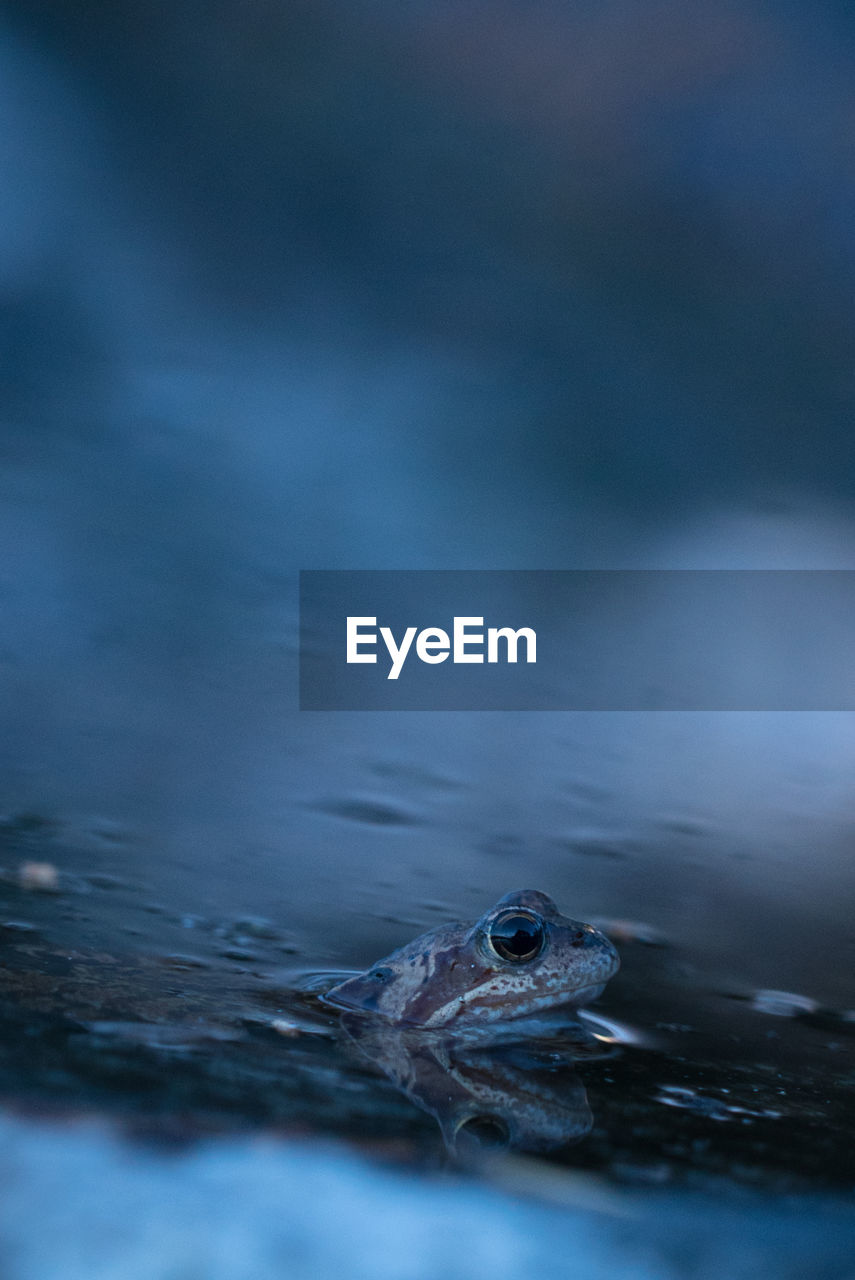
point(285, 1028)
point(41, 877)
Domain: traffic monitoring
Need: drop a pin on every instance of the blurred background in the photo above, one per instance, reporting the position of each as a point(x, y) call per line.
point(419, 285)
point(411, 284)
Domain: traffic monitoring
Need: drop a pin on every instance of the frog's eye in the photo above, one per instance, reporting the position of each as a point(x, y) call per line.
point(516, 936)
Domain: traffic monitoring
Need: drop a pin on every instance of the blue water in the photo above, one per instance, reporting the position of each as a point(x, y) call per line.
point(419, 287)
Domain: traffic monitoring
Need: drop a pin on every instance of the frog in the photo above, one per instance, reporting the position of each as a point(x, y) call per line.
point(521, 958)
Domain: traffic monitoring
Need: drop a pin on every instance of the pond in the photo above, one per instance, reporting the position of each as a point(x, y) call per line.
point(156, 989)
point(405, 286)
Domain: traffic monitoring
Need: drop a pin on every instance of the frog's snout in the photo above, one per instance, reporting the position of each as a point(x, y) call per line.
point(609, 951)
point(600, 949)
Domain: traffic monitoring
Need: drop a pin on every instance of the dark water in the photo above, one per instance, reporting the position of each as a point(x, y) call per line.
point(181, 1024)
point(414, 286)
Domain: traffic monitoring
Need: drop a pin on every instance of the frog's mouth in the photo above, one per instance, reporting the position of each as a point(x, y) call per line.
point(584, 995)
point(547, 1003)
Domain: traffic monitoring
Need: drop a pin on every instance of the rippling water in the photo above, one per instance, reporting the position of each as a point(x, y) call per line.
point(173, 1017)
point(570, 290)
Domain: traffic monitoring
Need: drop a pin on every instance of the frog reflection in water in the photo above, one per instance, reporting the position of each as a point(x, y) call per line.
point(521, 958)
point(462, 1030)
point(522, 1094)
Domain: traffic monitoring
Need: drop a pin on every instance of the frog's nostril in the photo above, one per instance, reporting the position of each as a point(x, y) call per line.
point(381, 975)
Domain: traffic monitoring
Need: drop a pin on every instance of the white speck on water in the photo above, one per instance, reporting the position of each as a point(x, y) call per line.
point(782, 1004)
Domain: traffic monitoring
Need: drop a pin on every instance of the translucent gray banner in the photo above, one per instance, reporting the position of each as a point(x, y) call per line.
point(577, 640)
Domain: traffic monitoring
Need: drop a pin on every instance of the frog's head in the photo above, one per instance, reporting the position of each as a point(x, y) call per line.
point(522, 957)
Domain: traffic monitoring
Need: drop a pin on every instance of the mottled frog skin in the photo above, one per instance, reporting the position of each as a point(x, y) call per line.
point(522, 957)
